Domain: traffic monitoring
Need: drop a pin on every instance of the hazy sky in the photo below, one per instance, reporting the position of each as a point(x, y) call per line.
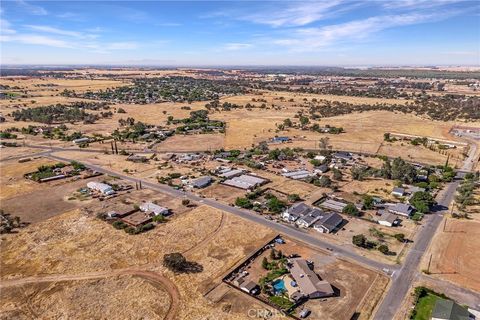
point(351, 33)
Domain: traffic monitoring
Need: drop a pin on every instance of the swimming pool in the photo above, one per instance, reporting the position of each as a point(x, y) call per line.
point(278, 286)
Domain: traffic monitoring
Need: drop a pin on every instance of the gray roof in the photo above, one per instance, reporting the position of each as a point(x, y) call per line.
point(387, 216)
point(299, 209)
point(398, 190)
point(248, 285)
point(330, 221)
point(402, 208)
point(201, 182)
point(447, 309)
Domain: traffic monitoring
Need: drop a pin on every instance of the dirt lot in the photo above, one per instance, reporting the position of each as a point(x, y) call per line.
point(222, 192)
point(452, 253)
point(117, 297)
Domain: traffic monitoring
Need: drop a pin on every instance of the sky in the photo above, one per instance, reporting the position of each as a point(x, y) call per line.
point(226, 33)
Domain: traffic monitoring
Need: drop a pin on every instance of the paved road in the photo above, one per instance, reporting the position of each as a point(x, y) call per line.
point(403, 279)
point(299, 234)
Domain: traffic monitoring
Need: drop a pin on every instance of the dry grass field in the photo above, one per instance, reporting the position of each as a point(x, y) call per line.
point(123, 297)
point(453, 255)
point(12, 182)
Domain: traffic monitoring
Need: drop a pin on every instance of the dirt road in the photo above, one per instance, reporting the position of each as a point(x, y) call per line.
point(154, 277)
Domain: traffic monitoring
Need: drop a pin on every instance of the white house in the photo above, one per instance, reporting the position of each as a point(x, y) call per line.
point(150, 207)
point(101, 187)
point(388, 219)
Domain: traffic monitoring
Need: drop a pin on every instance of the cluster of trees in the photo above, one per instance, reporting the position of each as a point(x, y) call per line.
point(361, 241)
point(177, 89)
point(59, 113)
point(422, 201)
point(177, 263)
point(198, 120)
point(465, 191)
point(443, 108)
point(9, 223)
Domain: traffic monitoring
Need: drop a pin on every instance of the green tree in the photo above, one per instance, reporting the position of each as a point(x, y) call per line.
point(243, 203)
point(383, 249)
point(359, 240)
point(422, 201)
point(351, 210)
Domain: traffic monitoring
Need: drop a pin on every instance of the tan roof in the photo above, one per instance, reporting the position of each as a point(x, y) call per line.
point(307, 280)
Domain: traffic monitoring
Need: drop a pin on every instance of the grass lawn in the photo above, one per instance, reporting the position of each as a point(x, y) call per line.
point(425, 306)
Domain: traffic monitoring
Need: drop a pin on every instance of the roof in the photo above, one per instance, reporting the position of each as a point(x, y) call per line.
point(299, 209)
point(99, 186)
point(201, 182)
point(330, 220)
point(137, 218)
point(404, 208)
point(152, 207)
point(398, 190)
point(244, 181)
point(231, 173)
point(248, 285)
point(447, 309)
point(389, 217)
point(307, 280)
point(333, 205)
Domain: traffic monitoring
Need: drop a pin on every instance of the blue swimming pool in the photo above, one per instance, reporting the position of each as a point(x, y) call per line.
point(278, 286)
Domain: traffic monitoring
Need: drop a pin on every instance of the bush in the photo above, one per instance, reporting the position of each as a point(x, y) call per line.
point(351, 210)
point(243, 203)
point(400, 237)
point(177, 263)
point(359, 240)
point(185, 202)
point(121, 110)
point(119, 225)
point(383, 249)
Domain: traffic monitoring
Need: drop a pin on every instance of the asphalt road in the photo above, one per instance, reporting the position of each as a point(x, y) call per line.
point(403, 278)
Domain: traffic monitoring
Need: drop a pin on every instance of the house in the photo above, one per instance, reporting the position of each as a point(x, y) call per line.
point(309, 219)
point(328, 222)
point(152, 208)
point(345, 156)
point(201, 182)
point(402, 209)
point(412, 189)
point(309, 283)
point(137, 158)
point(280, 139)
point(296, 211)
point(297, 174)
point(101, 187)
point(387, 219)
point(320, 158)
point(249, 287)
point(449, 310)
point(321, 169)
point(398, 192)
point(81, 140)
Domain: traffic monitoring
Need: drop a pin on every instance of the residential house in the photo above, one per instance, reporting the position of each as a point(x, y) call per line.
point(201, 182)
point(101, 187)
point(398, 192)
point(387, 219)
point(310, 218)
point(328, 222)
point(345, 156)
point(249, 287)
point(154, 209)
point(449, 310)
point(296, 211)
point(321, 169)
point(309, 283)
point(402, 209)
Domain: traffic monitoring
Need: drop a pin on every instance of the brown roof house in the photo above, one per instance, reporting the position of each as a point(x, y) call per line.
point(308, 282)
